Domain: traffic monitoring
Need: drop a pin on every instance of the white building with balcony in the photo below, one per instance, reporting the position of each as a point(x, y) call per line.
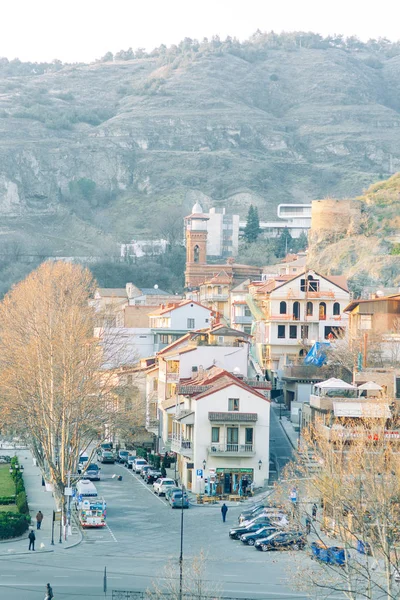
point(296, 218)
point(171, 321)
point(294, 311)
point(221, 433)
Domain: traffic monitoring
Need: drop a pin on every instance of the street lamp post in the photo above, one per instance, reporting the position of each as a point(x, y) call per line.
point(181, 552)
point(300, 425)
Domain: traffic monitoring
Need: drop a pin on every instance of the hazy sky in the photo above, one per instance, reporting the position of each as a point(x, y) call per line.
point(82, 30)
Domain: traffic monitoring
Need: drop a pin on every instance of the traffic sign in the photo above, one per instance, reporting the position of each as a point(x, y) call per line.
point(199, 472)
point(68, 491)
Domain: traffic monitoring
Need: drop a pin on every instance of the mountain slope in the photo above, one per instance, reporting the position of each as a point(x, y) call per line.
point(90, 153)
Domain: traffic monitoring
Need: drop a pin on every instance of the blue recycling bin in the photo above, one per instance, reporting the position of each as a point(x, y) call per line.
point(337, 556)
point(324, 555)
point(363, 547)
point(315, 548)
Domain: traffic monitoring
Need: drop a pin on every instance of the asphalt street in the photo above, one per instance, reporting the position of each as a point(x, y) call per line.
point(139, 545)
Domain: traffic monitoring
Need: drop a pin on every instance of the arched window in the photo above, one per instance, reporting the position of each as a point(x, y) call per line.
point(336, 309)
point(296, 310)
point(196, 252)
point(322, 311)
point(310, 309)
point(302, 353)
point(282, 308)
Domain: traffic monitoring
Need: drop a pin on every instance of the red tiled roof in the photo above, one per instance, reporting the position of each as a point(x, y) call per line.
point(217, 379)
point(174, 306)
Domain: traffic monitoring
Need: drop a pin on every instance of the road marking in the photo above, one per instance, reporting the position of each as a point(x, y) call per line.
point(111, 533)
point(60, 576)
point(147, 488)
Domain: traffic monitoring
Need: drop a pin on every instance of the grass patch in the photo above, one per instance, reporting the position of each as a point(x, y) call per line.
point(7, 485)
point(8, 508)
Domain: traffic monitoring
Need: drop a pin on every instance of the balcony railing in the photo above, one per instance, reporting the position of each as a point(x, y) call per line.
point(233, 449)
point(180, 446)
point(243, 320)
point(172, 377)
point(214, 298)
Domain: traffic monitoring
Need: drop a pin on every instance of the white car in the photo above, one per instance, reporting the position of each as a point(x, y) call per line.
point(162, 484)
point(138, 464)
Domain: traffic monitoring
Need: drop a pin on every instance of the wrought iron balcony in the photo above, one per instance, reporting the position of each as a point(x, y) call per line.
point(231, 450)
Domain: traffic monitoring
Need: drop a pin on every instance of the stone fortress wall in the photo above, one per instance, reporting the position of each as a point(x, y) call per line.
point(332, 218)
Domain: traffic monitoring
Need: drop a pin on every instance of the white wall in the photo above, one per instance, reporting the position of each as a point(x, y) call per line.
point(303, 392)
point(179, 316)
point(226, 357)
point(218, 402)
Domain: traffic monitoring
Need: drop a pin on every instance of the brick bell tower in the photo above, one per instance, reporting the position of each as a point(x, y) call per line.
point(196, 247)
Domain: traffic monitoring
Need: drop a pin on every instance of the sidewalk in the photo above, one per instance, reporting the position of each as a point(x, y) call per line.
point(39, 499)
point(287, 426)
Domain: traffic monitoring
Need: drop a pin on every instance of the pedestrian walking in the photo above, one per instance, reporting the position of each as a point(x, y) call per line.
point(224, 510)
point(314, 512)
point(308, 525)
point(32, 538)
point(49, 592)
point(39, 519)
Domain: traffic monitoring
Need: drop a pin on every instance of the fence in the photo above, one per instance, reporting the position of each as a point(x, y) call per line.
point(135, 595)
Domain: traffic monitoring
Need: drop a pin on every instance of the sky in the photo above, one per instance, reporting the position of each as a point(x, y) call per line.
point(83, 30)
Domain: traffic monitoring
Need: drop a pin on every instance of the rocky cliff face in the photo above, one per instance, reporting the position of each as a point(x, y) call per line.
point(89, 153)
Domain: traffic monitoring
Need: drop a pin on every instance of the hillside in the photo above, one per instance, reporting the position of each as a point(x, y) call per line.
point(89, 154)
point(369, 252)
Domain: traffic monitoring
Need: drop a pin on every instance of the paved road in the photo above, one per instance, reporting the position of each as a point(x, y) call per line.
point(280, 447)
point(142, 536)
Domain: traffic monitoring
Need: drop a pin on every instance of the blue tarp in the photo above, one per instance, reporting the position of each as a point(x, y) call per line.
point(317, 354)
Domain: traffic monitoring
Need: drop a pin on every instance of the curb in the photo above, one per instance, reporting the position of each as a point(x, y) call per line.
point(25, 552)
point(287, 435)
point(13, 540)
point(80, 536)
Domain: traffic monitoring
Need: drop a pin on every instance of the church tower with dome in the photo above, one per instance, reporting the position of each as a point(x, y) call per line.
point(197, 270)
point(196, 246)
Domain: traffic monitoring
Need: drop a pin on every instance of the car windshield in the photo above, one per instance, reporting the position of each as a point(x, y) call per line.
point(92, 467)
point(123, 453)
point(168, 482)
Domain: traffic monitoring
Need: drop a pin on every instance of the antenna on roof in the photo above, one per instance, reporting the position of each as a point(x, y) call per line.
point(156, 287)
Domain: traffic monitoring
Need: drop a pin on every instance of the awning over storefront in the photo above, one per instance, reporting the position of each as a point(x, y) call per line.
point(234, 470)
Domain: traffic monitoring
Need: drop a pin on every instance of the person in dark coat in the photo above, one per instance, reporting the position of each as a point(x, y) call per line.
point(49, 592)
point(308, 525)
point(39, 519)
point(32, 538)
point(314, 511)
point(224, 510)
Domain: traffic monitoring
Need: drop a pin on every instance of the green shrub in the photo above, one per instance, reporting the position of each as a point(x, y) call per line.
point(13, 524)
point(22, 503)
point(142, 453)
point(157, 462)
point(20, 486)
point(4, 500)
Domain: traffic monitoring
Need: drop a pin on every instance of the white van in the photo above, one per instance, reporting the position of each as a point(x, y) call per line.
point(85, 490)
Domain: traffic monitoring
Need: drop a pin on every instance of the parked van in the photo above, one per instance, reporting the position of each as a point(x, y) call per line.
point(85, 490)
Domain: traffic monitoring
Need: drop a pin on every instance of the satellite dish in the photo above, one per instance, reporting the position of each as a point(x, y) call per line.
point(156, 287)
point(236, 370)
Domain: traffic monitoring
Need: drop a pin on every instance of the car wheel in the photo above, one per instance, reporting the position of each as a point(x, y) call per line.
point(264, 548)
point(296, 547)
point(251, 542)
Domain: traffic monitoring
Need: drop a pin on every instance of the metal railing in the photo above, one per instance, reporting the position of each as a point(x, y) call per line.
point(231, 448)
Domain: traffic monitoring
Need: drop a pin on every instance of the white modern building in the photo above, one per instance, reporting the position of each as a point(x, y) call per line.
point(296, 218)
point(223, 233)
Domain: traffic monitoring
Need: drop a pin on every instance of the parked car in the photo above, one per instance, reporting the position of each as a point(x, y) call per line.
point(236, 532)
point(104, 446)
point(5, 459)
point(277, 516)
point(251, 538)
point(152, 475)
point(144, 470)
point(171, 490)
point(161, 485)
point(106, 457)
point(93, 472)
point(82, 461)
point(282, 540)
point(252, 512)
point(176, 498)
point(122, 456)
point(131, 459)
point(138, 464)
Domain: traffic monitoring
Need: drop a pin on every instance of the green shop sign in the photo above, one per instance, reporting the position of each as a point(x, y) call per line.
point(234, 470)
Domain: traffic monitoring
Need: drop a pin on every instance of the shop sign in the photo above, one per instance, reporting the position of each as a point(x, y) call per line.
point(234, 470)
point(190, 465)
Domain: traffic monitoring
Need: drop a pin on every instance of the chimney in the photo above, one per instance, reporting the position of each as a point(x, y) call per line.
point(194, 371)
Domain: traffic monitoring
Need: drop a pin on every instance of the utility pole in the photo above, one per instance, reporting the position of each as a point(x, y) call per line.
point(181, 553)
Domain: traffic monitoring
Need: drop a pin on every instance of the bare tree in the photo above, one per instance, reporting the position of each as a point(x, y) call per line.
point(194, 583)
point(169, 225)
point(54, 391)
point(354, 478)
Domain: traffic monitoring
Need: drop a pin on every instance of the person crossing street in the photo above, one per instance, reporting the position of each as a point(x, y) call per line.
point(32, 538)
point(224, 510)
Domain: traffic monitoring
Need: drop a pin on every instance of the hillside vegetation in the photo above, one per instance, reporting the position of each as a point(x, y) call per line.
point(369, 254)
